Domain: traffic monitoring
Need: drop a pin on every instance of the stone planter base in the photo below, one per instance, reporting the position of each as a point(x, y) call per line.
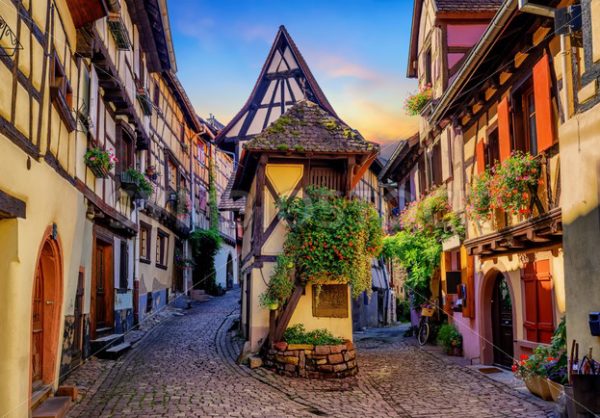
point(315, 362)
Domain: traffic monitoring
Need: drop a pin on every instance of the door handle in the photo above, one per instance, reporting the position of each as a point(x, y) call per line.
point(49, 302)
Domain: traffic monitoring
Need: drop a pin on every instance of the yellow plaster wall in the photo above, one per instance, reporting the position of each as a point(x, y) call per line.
point(339, 327)
point(580, 174)
point(50, 199)
point(151, 277)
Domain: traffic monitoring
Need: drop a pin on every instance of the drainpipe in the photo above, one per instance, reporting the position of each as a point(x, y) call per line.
point(536, 9)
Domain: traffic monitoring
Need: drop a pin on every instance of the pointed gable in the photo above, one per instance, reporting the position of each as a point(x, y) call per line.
point(285, 80)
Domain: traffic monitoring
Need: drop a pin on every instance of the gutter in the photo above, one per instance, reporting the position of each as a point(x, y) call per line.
point(494, 29)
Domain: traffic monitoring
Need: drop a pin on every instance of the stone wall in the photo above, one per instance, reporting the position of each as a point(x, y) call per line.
point(305, 360)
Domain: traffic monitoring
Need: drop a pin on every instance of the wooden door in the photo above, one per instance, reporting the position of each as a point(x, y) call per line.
point(78, 314)
point(101, 314)
point(502, 323)
point(37, 330)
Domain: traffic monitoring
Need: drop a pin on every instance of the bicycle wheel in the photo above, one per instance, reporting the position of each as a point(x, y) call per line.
point(423, 334)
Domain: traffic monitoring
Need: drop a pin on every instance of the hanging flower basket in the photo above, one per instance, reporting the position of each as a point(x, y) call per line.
point(100, 162)
point(135, 184)
point(415, 103)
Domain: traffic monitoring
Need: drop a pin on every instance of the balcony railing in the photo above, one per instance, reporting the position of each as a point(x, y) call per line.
point(119, 31)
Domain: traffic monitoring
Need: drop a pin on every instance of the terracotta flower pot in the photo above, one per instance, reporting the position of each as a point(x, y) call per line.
point(555, 389)
point(539, 387)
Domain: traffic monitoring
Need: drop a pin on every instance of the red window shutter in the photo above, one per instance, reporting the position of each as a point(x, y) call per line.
point(544, 301)
point(480, 155)
point(504, 129)
point(539, 311)
point(468, 278)
point(530, 287)
point(542, 83)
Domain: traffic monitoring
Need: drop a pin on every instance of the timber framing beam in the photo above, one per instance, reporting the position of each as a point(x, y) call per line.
point(541, 232)
point(11, 207)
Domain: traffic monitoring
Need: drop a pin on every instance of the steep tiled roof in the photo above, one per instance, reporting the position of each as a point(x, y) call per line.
point(307, 127)
point(228, 203)
point(468, 5)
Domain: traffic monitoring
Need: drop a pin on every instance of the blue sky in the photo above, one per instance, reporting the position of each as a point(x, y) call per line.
point(357, 50)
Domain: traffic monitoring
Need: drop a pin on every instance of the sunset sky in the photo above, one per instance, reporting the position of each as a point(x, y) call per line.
point(357, 50)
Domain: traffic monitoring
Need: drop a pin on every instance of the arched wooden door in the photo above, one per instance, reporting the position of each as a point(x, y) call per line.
point(502, 322)
point(46, 303)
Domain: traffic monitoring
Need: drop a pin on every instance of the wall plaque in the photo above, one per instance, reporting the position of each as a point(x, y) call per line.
point(332, 303)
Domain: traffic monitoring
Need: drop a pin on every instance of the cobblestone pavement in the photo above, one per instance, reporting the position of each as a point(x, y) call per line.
point(186, 367)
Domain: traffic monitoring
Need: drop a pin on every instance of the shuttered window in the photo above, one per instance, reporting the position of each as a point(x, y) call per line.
point(504, 129)
point(480, 156)
point(542, 83)
point(539, 312)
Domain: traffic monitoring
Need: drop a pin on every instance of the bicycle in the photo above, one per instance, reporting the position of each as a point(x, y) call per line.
point(424, 331)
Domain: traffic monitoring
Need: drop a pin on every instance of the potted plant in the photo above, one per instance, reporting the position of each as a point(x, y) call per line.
point(514, 183)
point(556, 367)
point(135, 184)
point(151, 172)
point(99, 161)
point(415, 103)
point(531, 369)
point(449, 338)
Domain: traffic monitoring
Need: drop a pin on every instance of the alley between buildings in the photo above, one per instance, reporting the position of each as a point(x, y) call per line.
point(186, 367)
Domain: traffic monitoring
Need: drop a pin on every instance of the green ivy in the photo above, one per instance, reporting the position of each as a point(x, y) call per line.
point(205, 245)
point(329, 238)
point(418, 246)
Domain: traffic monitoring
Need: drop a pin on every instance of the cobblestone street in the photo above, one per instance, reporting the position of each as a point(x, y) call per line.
point(186, 367)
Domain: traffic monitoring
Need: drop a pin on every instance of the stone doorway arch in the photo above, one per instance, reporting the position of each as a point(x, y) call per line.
point(46, 311)
point(498, 319)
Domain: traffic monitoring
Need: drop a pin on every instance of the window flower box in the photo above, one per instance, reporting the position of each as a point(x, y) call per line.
point(99, 161)
point(415, 103)
point(135, 184)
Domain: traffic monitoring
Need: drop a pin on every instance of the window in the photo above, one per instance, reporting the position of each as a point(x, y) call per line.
point(525, 130)
point(436, 165)
point(427, 67)
point(156, 94)
point(61, 93)
point(422, 177)
point(492, 154)
point(171, 175)
point(124, 266)
point(145, 240)
point(539, 311)
point(162, 248)
point(127, 157)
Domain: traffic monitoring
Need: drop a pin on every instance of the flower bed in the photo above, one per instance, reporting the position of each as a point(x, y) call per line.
point(312, 361)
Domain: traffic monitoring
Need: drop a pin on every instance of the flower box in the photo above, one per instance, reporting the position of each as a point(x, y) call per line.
point(128, 183)
point(99, 161)
point(538, 386)
point(556, 389)
point(98, 171)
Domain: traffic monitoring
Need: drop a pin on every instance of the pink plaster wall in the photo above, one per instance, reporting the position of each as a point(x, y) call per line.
point(464, 35)
point(469, 328)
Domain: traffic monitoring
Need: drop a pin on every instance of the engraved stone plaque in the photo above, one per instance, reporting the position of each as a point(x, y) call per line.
point(332, 303)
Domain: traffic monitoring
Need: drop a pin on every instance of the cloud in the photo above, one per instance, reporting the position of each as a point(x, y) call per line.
point(337, 66)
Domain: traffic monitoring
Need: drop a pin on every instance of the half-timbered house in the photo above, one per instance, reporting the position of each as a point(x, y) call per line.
point(504, 97)
point(84, 249)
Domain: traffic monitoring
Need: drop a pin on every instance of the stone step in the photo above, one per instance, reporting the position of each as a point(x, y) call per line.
point(39, 395)
point(55, 407)
point(115, 351)
point(103, 343)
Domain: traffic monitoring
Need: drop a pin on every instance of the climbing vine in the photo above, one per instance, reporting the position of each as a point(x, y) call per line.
point(207, 242)
point(418, 245)
point(329, 239)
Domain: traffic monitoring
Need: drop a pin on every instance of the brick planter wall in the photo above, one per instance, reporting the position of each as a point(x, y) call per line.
point(320, 362)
